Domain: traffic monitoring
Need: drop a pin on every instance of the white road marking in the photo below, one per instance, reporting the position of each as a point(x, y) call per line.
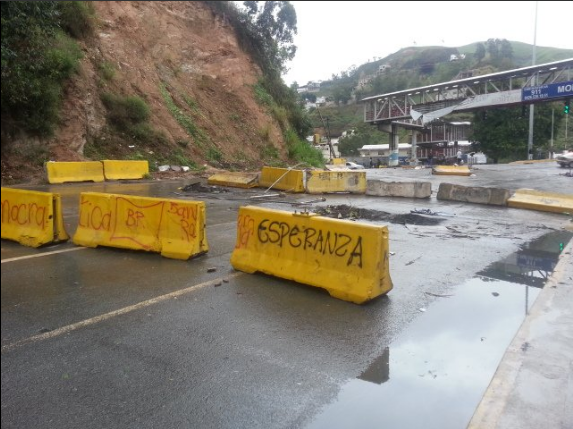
point(107, 316)
point(39, 255)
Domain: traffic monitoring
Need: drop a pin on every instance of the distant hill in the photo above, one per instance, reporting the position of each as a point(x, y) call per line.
point(418, 66)
point(522, 53)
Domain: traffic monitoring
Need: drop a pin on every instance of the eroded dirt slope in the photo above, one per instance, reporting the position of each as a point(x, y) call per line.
point(143, 48)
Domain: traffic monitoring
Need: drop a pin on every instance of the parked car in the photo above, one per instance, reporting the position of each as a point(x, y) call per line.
point(353, 166)
point(565, 159)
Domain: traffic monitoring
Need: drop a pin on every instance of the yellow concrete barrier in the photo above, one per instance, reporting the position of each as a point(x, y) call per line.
point(175, 228)
point(124, 170)
point(531, 161)
point(282, 178)
point(237, 180)
point(338, 161)
point(61, 172)
point(32, 218)
point(318, 182)
point(542, 201)
point(348, 259)
point(451, 170)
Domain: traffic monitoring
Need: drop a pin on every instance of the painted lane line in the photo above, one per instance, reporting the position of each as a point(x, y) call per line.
point(38, 255)
point(107, 316)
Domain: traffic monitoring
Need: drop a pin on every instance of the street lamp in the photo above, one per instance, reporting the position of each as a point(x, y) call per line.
point(531, 107)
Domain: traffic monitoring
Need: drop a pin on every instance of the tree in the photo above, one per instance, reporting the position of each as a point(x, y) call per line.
point(37, 58)
point(493, 49)
point(308, 96)
point(505, 49)
point(363, 134)
point(274, 22)
point(502, 134)
point(480, 52)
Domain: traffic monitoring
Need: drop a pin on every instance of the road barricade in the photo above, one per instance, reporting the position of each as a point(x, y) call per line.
point(236, 180)
point(323, 181)
point(451, 170)
point(61, 172)
point(32, 218)
point(473, 194)
point(542, 201)
point(339, 161)
point(348, 259)
point(125, 170)
point(284, 179)
point(175, 228)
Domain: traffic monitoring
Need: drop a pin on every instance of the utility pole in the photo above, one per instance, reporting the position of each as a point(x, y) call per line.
point(531, 106)
point(327, 129)
point(551, 144)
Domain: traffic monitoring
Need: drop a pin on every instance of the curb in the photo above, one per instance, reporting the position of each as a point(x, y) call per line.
point(531, 385)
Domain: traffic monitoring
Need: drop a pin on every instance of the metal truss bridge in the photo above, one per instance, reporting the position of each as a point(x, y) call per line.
point(413, 108)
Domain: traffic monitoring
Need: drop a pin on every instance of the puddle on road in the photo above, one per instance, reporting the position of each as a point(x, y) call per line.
point(533, 264)
point(435, 374)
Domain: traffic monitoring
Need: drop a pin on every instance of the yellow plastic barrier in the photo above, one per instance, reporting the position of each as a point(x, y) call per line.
point(32, 218)
point(451, 170)
point(237, 180)
point(61, 172)
point(282, 178)
point(175, 228)
point(318, 182)
point(348, 259)
point(118, 170)
point(542, 201)
point(338, 161)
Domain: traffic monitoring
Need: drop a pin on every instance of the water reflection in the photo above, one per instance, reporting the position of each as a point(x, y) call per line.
point(441, 364)
point(533, 264)
point(444, 361)
point(379, 370)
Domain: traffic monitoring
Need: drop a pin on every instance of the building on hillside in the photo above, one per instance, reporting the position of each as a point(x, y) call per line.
point(363, 81)
point(309, 87)
point(383, 67)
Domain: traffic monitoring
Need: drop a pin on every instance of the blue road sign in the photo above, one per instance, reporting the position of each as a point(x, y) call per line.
point(552, 90)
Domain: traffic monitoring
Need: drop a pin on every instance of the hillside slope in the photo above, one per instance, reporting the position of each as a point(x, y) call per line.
point(185, 63)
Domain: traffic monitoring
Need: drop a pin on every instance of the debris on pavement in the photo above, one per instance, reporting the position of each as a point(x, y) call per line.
point(430, 212)
point(439, 295)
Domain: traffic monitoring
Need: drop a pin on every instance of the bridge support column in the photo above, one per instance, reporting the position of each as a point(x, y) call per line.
point(414, 155)
point(394, 139)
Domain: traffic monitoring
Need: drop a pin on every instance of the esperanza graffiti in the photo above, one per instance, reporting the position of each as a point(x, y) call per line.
point(324, 242)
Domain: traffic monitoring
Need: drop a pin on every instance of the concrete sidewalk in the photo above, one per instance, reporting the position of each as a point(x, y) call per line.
point(533, 385)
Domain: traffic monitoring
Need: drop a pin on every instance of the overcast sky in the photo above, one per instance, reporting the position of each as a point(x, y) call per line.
point(334, 35)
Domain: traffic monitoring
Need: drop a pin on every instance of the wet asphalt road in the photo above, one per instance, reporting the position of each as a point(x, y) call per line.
point(108, 338)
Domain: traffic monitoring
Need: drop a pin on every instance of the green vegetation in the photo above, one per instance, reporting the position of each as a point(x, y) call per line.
point(38, 56)
point(265, 30)
point(503, 133)
point(184, 120)
point(107, 70)
point(363, 134)
point(301, 151)
point(125, 112)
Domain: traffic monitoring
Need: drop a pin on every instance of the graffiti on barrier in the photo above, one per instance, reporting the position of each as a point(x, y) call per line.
point(329, 243)
point(25, 214)
point(143, 224)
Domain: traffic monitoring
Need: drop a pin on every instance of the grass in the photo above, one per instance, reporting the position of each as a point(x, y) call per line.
point(182, 119)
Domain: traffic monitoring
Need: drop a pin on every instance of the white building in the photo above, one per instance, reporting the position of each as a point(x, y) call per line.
point(375, 150)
